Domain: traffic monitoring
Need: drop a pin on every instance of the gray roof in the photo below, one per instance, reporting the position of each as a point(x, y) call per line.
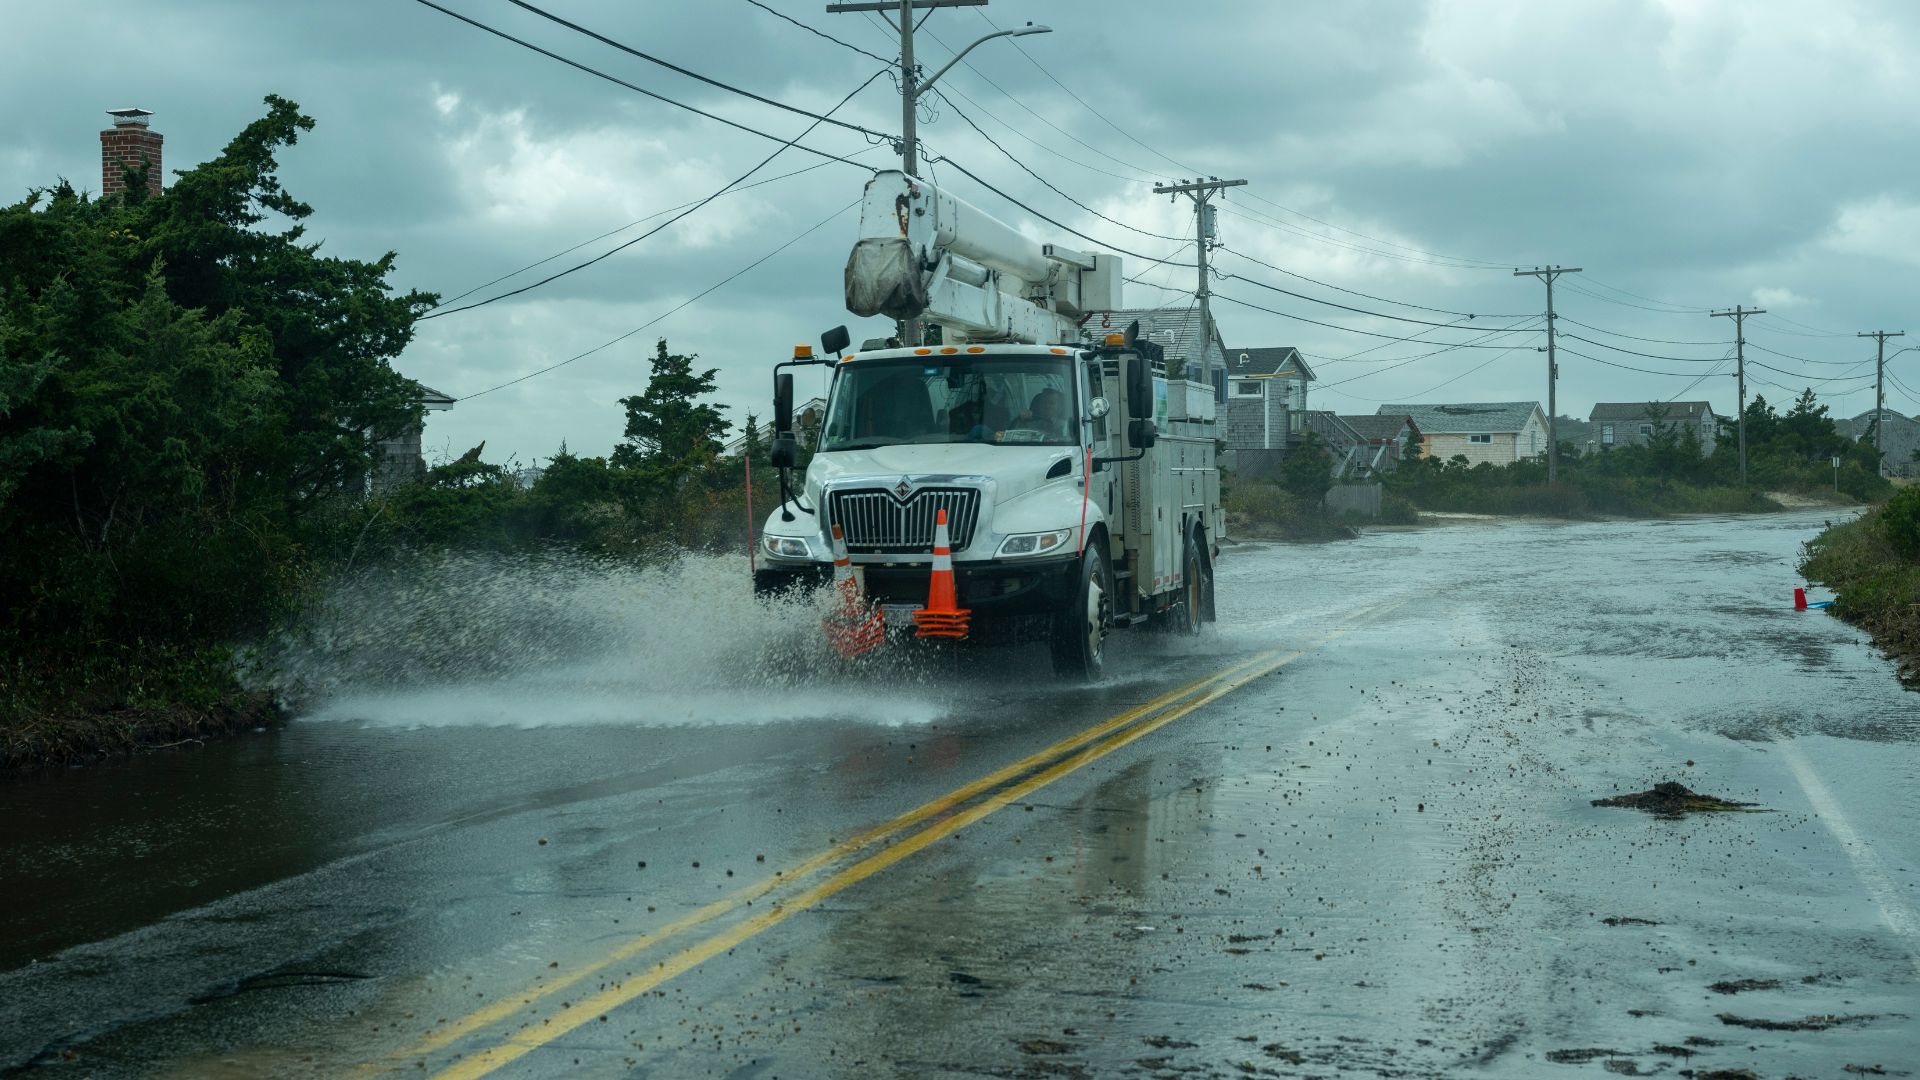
point(430, 396)
point(1471, 417)
point(1268, 361)
point(1379, 426)
point(1178, 329)
point(1641, 410)
point(1860, 425)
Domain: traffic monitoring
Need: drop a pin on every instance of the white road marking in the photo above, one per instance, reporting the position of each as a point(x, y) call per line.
point(1866, 863)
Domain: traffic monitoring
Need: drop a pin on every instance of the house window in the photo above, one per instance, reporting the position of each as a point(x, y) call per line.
point(1606, 434)
point(1247, 388)
point(1480, 438)
point(1646, 430)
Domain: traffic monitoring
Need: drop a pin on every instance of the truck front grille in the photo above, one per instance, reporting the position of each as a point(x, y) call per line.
point(877, 523)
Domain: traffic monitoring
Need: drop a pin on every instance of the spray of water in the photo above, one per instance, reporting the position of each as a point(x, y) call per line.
point(561, 638)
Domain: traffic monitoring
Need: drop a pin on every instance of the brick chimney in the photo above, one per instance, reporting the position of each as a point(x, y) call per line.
point(129, 144)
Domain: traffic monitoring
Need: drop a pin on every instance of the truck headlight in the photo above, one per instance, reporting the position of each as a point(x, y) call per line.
point(1035, 543)
point(788, 547)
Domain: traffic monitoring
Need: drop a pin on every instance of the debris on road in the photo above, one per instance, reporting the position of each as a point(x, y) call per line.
point(1810, 1023)
point(1671, 800)
point(1741, 986)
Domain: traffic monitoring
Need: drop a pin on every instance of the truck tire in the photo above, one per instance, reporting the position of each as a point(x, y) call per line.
point(1080, 627)
point(1199, 541)
point(1196, 586)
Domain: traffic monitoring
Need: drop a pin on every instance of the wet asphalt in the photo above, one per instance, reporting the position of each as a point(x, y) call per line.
point(1380, 858)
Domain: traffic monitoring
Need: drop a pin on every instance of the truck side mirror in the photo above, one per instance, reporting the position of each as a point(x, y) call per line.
point(834, 342)
point(784, 452)
point(1142, 434)
point(782, 403)
point(1139, 387)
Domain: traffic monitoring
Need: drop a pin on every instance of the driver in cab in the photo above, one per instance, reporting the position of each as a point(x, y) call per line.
point(1047, 414)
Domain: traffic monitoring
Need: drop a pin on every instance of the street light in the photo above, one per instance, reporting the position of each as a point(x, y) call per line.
point(1020, 31)
point(910, 91)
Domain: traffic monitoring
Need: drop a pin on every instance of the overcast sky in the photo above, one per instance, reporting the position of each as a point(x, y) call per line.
point(1687, 153)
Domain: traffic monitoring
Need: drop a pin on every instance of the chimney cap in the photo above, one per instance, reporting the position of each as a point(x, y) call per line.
point(129, 117)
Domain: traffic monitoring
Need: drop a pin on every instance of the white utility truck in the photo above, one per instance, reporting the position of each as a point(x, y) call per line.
point(1078, 482)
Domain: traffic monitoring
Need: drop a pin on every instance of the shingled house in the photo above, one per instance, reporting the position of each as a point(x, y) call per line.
point(1266, 398)
point(401, 460)
point(1175, 329)
point(1499, 432)
point(1632, 423)
point(1897, 443)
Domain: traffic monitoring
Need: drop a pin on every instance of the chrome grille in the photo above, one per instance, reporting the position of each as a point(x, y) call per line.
point(876, 522)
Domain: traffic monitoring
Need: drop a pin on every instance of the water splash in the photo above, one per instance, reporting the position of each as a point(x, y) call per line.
point(561, 638)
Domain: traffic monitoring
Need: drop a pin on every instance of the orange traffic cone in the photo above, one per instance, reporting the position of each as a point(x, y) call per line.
point(1799, 599)
point(853, 628)
point(942, 617)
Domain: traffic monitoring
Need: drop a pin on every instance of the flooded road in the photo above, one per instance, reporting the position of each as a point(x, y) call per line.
point(1349, 832)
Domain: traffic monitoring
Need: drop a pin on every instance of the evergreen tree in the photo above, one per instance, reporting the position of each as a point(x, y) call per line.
point(670, 432)
point(753, 446)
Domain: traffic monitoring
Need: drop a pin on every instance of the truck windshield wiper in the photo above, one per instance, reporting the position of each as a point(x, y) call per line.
point(866, 445)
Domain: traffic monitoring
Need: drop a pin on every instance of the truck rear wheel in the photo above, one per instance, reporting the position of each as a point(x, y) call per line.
point(1195, 598)
point(1080, 628)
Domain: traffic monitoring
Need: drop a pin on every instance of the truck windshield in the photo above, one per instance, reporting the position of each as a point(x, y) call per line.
point(977, 399)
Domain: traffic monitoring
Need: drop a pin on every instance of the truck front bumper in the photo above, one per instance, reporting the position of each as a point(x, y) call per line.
point(991, 590)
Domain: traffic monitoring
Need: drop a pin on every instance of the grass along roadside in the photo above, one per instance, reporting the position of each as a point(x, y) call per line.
point(1872, 564)
point(120, 700)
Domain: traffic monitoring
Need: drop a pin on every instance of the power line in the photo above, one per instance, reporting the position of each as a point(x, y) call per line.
point(1802, 359)
point(1704, 376)
point(1356, 292)
point(822, 33)
point(1818, 331)
point(975, 177)
point(1400, 362)
point(1010, 156)
point(638, 221)
point(1331, 325)
point(1336, 326)
point(617, 81)
point(1636, 337)
point(1333, 304)
point(1459, 261)
point(1351, 357)
point(1029, 109)
point(1648, 355)
point(1804, 375)
point(824, 118)
point(673, 310)
point(1628, 367)
point(1475, 370)
point(1803, 334)
point(1043, 180)
point(764, 162)
point(1602, 297)
point(1689, 309)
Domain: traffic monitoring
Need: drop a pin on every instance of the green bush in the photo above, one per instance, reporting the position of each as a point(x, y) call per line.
point(1899, 522)
point(1263, 504)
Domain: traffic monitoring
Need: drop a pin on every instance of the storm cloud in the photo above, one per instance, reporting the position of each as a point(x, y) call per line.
point(1687, 153)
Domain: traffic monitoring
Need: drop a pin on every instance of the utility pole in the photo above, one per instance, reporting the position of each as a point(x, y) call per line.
point(1739, 316)
point(911, 88)
point(1547, 274)
point(1201, 192)
point(1880, 387)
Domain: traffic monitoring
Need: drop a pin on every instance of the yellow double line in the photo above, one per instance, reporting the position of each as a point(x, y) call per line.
point(1039, 769)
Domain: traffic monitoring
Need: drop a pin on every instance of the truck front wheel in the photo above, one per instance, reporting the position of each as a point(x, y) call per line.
point(1080, 627)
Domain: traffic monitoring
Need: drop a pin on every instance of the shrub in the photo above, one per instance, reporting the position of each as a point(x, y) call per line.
point(1900, 524)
